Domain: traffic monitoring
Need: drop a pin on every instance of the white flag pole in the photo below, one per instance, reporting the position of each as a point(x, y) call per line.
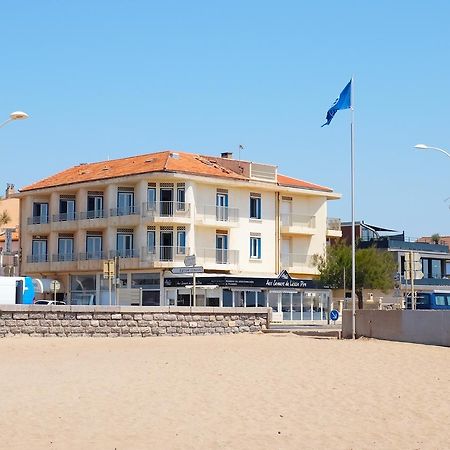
point(352, 132)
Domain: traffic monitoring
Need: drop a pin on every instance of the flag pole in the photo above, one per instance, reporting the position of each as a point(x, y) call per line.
point(352, 139)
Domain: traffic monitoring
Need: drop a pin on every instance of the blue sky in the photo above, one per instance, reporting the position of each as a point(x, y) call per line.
point(110, 78)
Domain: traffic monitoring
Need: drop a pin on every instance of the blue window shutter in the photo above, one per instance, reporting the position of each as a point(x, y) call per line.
point(259, 247)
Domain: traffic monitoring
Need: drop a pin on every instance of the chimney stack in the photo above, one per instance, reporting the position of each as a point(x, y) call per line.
point(226, 155)
point(9, 190)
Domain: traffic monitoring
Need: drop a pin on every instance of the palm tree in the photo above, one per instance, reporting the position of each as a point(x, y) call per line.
point(4, 218)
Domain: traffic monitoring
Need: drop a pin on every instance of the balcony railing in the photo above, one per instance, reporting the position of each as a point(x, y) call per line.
point(62, 257)
point(298, 220)
point(64, 217)
point(214, 213)
point(91, 255)
point(124, 211)
point(164, 253)
point(218, 256)
point(296, 260)
point(166, 209)
point(37, 220)
point(94, 214)
point(124, 253)
point(333, 224)
point(40, 258)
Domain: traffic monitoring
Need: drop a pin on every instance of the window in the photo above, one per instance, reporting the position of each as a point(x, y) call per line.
point(94, 206)
point(125, 245)
point(255, 247)
point(255, 206)
point(181, 242)
point(181, 199)
point(222, 206)
point(221, 249)
point(39, 250)
point(40, 212)
point(436, 271)
point(151, 241)
point(66, 208)
point(94, 247)
point(65, 249)
point(151, 198)
point(125, 202)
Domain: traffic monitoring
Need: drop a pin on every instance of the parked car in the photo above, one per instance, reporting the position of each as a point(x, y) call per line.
point(49, 302)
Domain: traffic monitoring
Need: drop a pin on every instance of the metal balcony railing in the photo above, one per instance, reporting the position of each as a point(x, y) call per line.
point(124, 211)
point(124, 253)
point(94, 214)
point(164, 253)
point(166, 209)
point(218, 256)
point(92, 255)
point(64, 217)
point(37, 220)
point(219, 213)
point(333, 224)
point(37, 258)
point(63, 257)
point(298, 220)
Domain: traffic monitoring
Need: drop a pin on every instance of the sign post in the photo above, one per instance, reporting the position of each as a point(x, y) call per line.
point(193, 269)
point(55, 286)
point(189, 261)
point(109, 272)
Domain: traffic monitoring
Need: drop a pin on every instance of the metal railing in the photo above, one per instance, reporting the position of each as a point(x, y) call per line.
point(218, 256)
point(63, 257)
point(124, 211)
point(220, 213)
point(124, 253)
point(37, 220)
point(91, 255)
point(64, 217)
point(333, 224)
point(164, 253)
point(166, 209)
point(296, 260)
point(37, 258)
point(94, 214)
point(298, 220)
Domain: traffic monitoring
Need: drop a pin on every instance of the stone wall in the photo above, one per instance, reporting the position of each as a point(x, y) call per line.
point(111, 321)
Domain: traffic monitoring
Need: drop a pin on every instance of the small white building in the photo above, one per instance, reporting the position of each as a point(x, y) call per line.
point(247, 225)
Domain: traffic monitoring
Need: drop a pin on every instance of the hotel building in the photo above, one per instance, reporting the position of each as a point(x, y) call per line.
point(253, 230)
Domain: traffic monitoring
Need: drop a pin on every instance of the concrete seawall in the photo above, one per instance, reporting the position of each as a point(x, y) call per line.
point(111, 321)
point(421, 327)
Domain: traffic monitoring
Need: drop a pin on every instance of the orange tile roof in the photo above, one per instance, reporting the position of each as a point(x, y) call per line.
point(283, 180)
point(165, 161)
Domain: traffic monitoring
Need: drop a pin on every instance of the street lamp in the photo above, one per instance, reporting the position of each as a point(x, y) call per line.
point(428, 147)
point(16, 115)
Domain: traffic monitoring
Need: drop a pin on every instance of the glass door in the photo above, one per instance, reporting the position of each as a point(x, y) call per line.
point(125, 245)
point(286, 308)
point(125, 203)
point(166, 246)
point(151, 199)
point(221, 249)
point(166, 202)
point(39, 250)
point(222, 207)
point(65, 249)
point(94, 247)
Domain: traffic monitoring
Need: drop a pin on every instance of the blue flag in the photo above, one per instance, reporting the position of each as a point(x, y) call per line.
point(344, 101)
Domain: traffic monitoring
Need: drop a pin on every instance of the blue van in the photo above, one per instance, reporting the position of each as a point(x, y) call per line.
point(433, 300)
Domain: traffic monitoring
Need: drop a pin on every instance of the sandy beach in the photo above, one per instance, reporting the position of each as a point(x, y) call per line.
point(210, 392)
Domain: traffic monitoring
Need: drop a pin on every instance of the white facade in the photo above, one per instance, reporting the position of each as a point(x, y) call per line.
point(152, 221)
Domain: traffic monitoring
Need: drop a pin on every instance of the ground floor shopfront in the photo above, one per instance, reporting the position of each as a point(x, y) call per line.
point(290, 299)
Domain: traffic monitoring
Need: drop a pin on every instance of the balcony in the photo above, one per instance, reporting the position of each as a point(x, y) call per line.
point(125, 216)
point(38, 224)
point(218, 216)
point(124, 253)
point(218, 258)
point(37, 263)
point(334, 227)
point(40, 258)
point(298, 224)
point(167, 212)
point(298, 263)
point(163, 256)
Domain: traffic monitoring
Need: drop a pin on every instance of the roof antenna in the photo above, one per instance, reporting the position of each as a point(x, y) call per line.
point(241, 147)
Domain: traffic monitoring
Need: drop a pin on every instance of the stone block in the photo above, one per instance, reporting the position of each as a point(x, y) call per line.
point(158, 316)
point(84, 316)
point(111, 323)
point(219, 330)
point(231, 323)
point(219, 317)
point(147, 317)
point(121, 323)
point(22, 316)
point(245, 329)
point(132, 323)
point(102, 316)
point(135, 330)
point(85, 323)
point(164, 323)
point(137, 316)
point(35, 315)
point(127, 316)
point(193, 324)
point(5, 315)
point(113, 334)
point(95, 323)
point(116, 316)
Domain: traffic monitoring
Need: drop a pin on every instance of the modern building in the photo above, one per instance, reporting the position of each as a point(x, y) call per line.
point(253, 230)
point(434, 257)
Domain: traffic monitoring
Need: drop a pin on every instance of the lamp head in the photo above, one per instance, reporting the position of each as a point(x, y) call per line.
point(18, 115)
point(421, 146)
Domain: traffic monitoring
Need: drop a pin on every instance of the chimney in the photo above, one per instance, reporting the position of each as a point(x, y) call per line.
point(9, 190)
point(226, 155)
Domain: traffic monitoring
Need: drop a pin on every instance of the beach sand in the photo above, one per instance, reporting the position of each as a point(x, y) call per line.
point(238, 392)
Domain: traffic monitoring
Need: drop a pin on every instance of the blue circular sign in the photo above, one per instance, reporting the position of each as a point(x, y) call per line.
point(334, 314)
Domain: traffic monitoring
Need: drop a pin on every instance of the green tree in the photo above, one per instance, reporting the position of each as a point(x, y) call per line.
point(375, 269)
point(435, 238)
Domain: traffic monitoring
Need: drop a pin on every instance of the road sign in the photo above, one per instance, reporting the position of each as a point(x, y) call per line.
point(8, 239)
point(108, 268)
point(55, 285)
point(334, 314)
point(181, 270)
point(189, 260)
